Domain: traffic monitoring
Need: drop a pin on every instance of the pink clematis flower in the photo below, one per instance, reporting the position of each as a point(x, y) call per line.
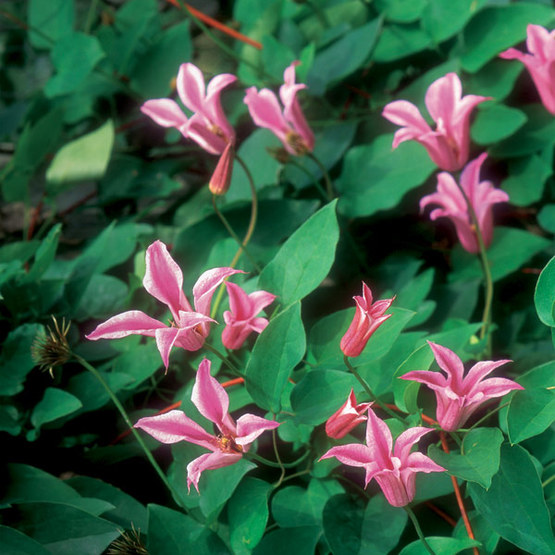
point(164, 281)
point(289, 126)
point(448, 145)
point(368, 318)
point(350, 415)
point(481, 194)
point(395, 471)
point(540, 62)
point(208, 127)
point(458, 396)
point(212, 401)
point(241, 320)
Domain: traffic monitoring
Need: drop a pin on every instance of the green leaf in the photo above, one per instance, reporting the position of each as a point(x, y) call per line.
point(15, 359)
point(526, 179)
point(66, 530)
point(399, 41)
point(445, 546)
point(320, 393)
point(343, 57)
point(401, 11)
point(276, 56)
point(13, 542)
point(278, 349)
point(74, 56)
point(84, 158)
point(45, 253)
point(248, 514)
point(544, 296)
point(442, 18)
point(495, 79)
point(495, 122)
point(530, 413)
point(388, 175)
point(382, 526)
point(140, 362)
point(343, 518)
point(55, 404)
point(103, 295)
point(9, 420)
point(479, 457)
point(546, 217)
point(496, 28)
point(510, 249)
point(293, 541)
point(514, 505)
point(49, 21)
point(174, 533)
point(305, 258)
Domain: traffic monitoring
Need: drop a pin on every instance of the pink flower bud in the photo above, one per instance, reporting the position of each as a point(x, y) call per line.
point(341, 422)
point(221, 178)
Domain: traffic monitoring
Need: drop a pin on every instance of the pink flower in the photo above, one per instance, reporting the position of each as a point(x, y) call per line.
point(350, 415)
point(448, 145)
point(290, 127)
point(394, 471)
point(457, 396)
point(208, 126)
point(482, 195)
point(241, 320)
point(227, 447)
point(164, 281)
point(368, 318)
point(540, 62)
point(221, 178)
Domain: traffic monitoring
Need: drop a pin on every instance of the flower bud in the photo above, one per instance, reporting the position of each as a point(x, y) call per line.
point(221, 178)
point(340, 423)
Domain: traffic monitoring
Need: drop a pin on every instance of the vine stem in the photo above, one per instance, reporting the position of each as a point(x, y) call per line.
point(329, 186)
point(133, 430)
point(369, 392)
point(414, 520)
point(458, 495)
point(278, 459)
point(223, 358)
point(488, 281)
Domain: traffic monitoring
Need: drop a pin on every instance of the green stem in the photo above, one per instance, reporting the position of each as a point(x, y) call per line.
point(414, 520)
point(329, 186)
point(476, 424)
point(311, 176)
point(90, 16)
point(548, 481)
point(278, 458)
point(224, 359)
point(369, 391)
point(273, 464)
point(133, 430)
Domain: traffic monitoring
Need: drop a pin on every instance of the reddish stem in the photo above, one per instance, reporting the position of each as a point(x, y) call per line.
point(235, 381)
point(34, 218)
point(220, 26)
point(442, 514)
point(425, 418)
point(459, 496)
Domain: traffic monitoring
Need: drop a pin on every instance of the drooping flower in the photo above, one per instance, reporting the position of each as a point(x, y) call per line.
point(208, 126)
point(164, 281)
point(481, 194)
point(394, 470)
point(241, 319)
point(368, 318)
point(289, 126)
point(448, 145)
point(540, 62)
point(212, 401)
point(459, 396)
point(350, 415)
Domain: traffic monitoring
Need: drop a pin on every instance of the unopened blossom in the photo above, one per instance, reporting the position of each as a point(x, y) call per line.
point(350, 415)
point(289, 124)
point(448, 144)
point(539, 61)
point(208, 126)
point(394, 468)
point(482, 196)
point(164, 281)
point(221, 178)
point(227, 446)
point(241, 320)
point(459, 396)
point(368, 318)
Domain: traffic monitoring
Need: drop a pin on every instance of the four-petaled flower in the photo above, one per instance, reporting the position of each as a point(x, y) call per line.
point(482, 196)
point(164, 281)
point(395, 471)
point(241, 319)
point(459, 396)
point(227, 447)
point(208, 126)
point(448, 145)
point(540, 62)
point(368, 318)
point(341, 422)
point(289, 126)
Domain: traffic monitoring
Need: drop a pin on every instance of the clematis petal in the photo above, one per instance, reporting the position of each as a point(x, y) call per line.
point(434, 380)
point(265, 111)
point(418, 462)
point(174, 426)
point(124, 324)
point(250, 426)
point(239, 302)
point(197, 130)
point(443, 96)
point(450, 363)
point(378, 439)
point(208, 461)
point(402, 112)
point(190, 86)
point(207, 284)
point(165, 340)
point(479, 371)
point(235, 334)
point(407, 439)
point(352, 454)
point(211, 399)
point(164, 112)
point(496, 387)
point(163, 278)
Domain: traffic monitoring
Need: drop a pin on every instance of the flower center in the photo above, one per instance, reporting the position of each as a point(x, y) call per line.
point(297, 143)
point(227, 444)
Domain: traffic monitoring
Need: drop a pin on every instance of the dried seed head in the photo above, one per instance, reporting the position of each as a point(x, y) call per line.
point(129, 543)
point(51, 348)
